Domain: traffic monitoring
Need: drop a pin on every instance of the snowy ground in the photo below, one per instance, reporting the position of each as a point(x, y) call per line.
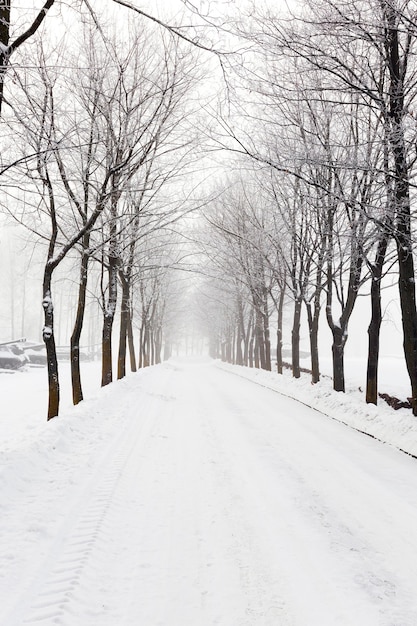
point(193, 494)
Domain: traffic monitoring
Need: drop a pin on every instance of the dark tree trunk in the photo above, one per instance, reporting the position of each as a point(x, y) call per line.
point(247, 350)
point(267, 338)
point(313, 327)
point(397, 68)
point(131, 342)
point(375, 323)
point(152, 347)
point(4, 40)
point(338, 350)
point(145, 347)
point(124, 321)
point(141, 347)
point(108, 319)
point(340, 329)
point(256, 353)
point(279, 330)
point(109, 308)
point(229, 350)
point(77, 392)
point(252, 349)
point(49, 340)
point(106, 351)
point(373, 343)
point(295, 339)
point(259, 344)
point(239, 353)
point(409, 317)
point(240, 333)
point(48, 308)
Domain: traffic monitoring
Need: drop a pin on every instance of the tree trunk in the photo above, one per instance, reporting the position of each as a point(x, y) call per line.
point(239, 353)
point(152, 347)
point(256, 352)
point(295, 338)
point(313, 327)
point(233, 342)
point(124, 314)
point(49, 340)
point(340, 329)
point(131, 342)
point(338, 349)
point(279, 330)
point(4, 40)
point(252, 349)
point(229, 349)
point(108, 319)
point(240, 333)
point(141, 347)
point(109, 309)
point(106, 351)
point(158, 344)
point(77, 392)
point(406, 282)
point(373, 343)
point(145, 347)
point(375, 323)
point(247, 349)
point(267, 338)
point(259, 344)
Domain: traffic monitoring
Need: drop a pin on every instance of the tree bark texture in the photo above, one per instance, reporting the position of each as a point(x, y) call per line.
point(77, 392)
point(49, 340)
point(338, 350)
point(295, 338)
point(279, 329)
point(406, 281)
point(108, 319)
point(267, 338)
point(313, 327)
point(124, 321)
point(131, 343)
point(375, 323)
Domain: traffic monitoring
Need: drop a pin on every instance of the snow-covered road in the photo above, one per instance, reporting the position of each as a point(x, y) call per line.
point(188, 496)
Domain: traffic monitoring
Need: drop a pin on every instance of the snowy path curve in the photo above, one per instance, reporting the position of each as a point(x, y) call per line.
point(186, 496)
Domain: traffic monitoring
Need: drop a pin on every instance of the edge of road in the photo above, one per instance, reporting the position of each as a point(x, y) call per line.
point(231, 369)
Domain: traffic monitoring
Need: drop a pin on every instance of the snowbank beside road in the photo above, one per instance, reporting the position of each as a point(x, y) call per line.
point(24, 402)
point(396, 428)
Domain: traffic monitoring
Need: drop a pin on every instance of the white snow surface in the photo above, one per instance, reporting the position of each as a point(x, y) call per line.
point(196, 494)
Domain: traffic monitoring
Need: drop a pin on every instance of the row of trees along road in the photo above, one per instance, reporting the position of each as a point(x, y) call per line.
point(329, 125)
point(101, 135)
point(319, 120)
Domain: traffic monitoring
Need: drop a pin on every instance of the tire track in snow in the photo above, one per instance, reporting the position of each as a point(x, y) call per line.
point(51, 594)
point(225, 529)
point(340, 531)
point(234, 570)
